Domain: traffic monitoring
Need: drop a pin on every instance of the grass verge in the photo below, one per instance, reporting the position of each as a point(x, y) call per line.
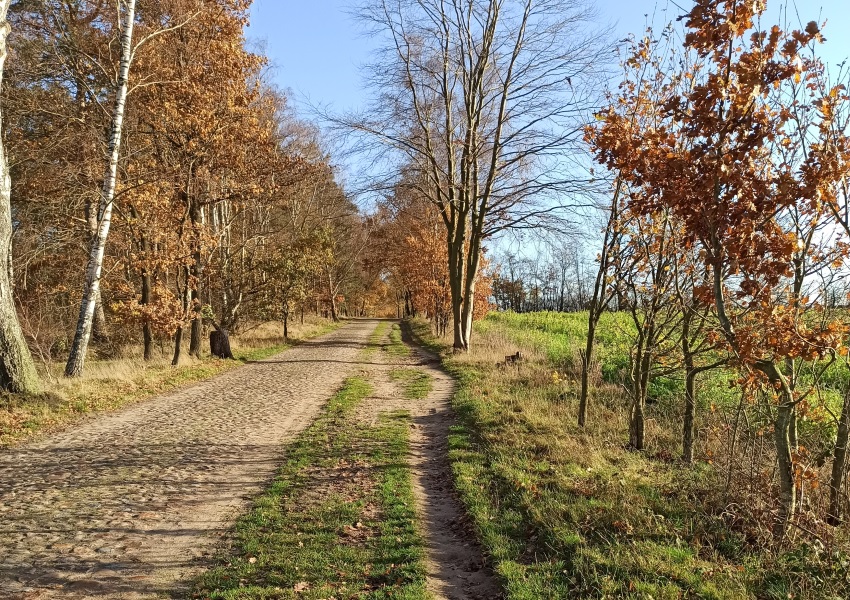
point(109, 385)
point(565, 512)
point(338, 520)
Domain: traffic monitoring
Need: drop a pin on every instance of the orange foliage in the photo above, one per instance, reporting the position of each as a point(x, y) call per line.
point(414, 250)
point(710, 153)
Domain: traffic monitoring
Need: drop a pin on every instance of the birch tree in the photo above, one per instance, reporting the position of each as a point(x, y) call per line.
point(485, 98)
point(82, 335)
point(17, 371)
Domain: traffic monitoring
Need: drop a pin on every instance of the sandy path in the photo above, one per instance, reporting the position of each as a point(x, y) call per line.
point(125, 505)
point(455, 564)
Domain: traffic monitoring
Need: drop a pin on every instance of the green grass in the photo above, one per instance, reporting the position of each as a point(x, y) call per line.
point(397, 348)
point(565, 512)
point(24, 416)
point(376, 339)
point(388, 339)
point(337, 522)
point(415, 384)
point(561, 335)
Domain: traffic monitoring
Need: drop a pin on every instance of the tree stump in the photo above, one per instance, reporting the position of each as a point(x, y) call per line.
point(220, 344)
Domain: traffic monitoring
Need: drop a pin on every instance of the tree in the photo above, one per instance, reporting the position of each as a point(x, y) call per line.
point(712, 159)
point(409, 252)
point(689, 277)
point(77, 356)
point(17, 370)
point(646, 274)
point(55, 123)
point(485, 99)
point(214, 181)
point(831, 154)
point(603, 294)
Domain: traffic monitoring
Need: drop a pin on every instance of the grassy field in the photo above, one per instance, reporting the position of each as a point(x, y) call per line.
point(566, 512)
point(111, 384)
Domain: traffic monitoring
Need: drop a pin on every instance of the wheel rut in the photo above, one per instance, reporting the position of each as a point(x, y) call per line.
point(131, 505)
point(456, 568)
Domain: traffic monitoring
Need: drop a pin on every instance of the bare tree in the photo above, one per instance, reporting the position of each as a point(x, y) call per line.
point(17, 370)
point(603, 294)
point(487, 99)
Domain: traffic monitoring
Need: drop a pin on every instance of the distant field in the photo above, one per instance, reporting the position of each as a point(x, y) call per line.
point(561, 335)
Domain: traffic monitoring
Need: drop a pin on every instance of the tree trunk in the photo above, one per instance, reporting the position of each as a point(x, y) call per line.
point(147, 337)
point(456, 242)
point(839, 464)
point(197, 272)
point(471, 275)
point(641, 365)
point(468, 302)
point(91, 290)
point(785, 464)
point(196, 330)
point(286, 325)
point(178, 335)
point(178, 346)
point(100, 333)
point(792, 429)
point(17, 370)
point(145, 300)
point(459, 341)
point(690, 380)
point(586, 361)
point(598, 303)
point(782, 441)
point(688, 421)
point(334, 316)
point(220, 344)
point(637, 424)
point(457, 326)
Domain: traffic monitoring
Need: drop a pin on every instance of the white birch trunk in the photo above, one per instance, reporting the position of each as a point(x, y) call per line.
point(17, 370)
point(91, 291)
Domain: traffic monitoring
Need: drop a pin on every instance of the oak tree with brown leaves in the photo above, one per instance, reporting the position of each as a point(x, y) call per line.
point(713, 161)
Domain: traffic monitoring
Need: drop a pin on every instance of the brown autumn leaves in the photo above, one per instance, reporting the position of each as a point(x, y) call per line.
point(227, 209)
point(734, 145)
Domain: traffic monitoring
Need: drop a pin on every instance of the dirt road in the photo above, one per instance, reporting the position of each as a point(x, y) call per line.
point(456, 568)
point(125, 505)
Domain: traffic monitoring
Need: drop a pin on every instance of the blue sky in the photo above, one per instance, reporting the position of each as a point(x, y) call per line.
point(316, 47)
